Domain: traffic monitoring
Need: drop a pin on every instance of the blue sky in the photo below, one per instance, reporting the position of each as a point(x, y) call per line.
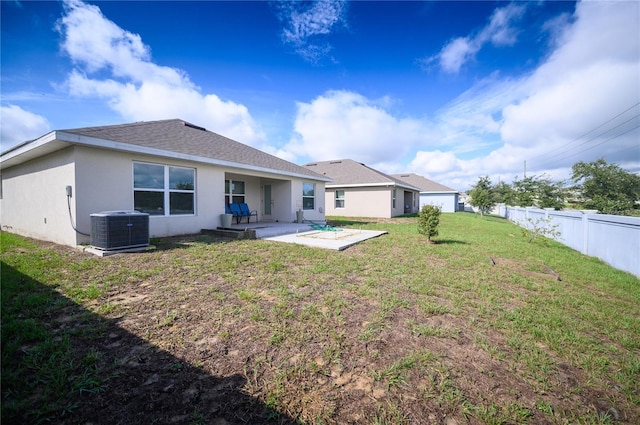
point(450, 90)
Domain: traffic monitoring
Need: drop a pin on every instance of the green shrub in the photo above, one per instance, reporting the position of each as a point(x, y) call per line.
point(428, 221)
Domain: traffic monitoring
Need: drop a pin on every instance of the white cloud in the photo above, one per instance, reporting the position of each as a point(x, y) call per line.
point(560, 113)
point(590, 78)
point(436, 162)
point(306, 23)
point(137, 88)
point(499, 32)
point(20, 126)
point(342, 124)
point(578, 105)
point(457, 53)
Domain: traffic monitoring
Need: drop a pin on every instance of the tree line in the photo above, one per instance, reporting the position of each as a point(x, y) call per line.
point(595, 185)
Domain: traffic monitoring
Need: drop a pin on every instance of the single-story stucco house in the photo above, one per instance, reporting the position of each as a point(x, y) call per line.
point(432, 193)
point(180, 174)
point(357, 190)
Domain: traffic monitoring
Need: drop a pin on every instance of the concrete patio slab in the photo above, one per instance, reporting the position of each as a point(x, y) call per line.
point(339, 239)
point(264, 229)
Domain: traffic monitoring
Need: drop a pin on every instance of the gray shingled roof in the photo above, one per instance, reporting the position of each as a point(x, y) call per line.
point(423, 183)
point(347, 172)
point(181, 137)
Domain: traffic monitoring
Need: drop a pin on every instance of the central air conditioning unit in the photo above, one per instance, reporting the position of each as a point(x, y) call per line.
point(119, 229)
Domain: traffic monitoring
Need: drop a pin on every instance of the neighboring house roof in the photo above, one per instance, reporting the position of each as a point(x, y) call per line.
point(424, 184)
point(173, 138)
point(350, 173)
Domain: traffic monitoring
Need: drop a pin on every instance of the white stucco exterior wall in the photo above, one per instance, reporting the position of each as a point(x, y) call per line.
point(101, 180)
point(105, 183)
point(448, 202)
point(34, 201)
point(364, 202)
point(369, 202)
point(318, 213)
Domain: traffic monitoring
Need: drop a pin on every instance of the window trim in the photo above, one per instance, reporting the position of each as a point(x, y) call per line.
point(229, 196)
point(339, 198)
point(166, 190)
point(308, 197)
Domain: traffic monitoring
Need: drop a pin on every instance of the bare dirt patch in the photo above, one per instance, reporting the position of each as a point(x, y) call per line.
point(222, 339)
point(534, 270)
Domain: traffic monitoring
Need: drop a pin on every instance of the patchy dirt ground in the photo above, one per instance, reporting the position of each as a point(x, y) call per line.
point(198, 345)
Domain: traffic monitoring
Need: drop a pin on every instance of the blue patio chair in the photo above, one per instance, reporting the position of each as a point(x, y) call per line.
point(247, 212)
point(235, 210)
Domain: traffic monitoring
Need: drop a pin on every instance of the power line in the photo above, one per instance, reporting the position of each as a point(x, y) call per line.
point(591, 131)
point(558, 159)
point(565, 148)
point(600, 135)
point(611, 138)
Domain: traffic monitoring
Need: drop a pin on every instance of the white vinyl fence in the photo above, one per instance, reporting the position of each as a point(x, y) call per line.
point(612, 238)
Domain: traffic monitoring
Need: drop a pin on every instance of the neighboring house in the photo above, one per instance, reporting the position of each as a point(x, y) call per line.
point(357, 190)
point(432, 193)
point(179, 173)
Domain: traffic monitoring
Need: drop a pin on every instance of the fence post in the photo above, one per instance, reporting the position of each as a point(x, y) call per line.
point(585, 229)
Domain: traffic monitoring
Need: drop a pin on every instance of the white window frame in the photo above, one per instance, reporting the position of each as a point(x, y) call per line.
point(313, 198)
point(167, 190)
point(230, 192)
point(339, 198)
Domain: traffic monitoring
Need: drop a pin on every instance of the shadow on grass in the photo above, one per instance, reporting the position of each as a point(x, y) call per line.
point(62, 363)
point(449, 242)
point(412, 215)
point(348, 222)
point(186, 241)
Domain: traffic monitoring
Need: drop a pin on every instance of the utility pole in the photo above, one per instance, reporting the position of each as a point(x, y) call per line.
point(525, 168)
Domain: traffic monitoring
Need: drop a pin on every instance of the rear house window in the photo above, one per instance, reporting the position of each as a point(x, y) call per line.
point(339, 198)
point(163, 190)
point(308, 196)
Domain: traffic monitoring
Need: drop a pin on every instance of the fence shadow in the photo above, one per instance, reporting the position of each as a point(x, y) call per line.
point(62, 363)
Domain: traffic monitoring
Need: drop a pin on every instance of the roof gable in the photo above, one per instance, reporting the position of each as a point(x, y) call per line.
point(423, 183)
point(347, 172)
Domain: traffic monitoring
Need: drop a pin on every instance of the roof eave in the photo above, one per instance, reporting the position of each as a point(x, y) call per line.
point(382, 184)
point(59, 139)
point(32, 149)
point(439, 191)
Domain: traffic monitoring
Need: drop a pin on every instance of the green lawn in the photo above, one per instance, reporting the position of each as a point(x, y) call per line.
point(474, 329)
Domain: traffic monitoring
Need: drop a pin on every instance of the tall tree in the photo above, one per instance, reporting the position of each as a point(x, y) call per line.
point(540, 191)
point(606, 187)
point(482, 195)
point(504, 194)
point(550, 194)
point(525, 191)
